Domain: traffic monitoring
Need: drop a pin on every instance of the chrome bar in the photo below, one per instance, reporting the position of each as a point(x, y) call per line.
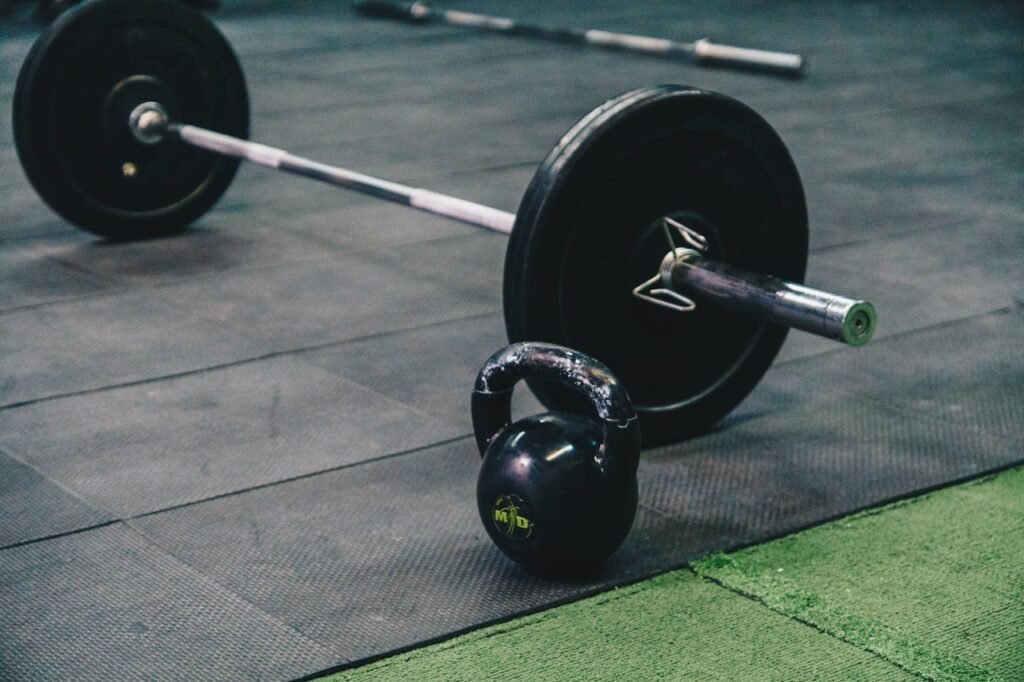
point(149, 123)
point(414, 197)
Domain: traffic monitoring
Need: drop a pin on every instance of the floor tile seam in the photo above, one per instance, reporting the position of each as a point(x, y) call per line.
point(869, 508)
point(278, 70)
point(950, 221)
point(476, 87)
point(344, 249)
point(99, 278)
point(571, 112)
point(888, 407)
point(9, 452)
point(406, 452)
point(474, 634)
point(482, 130)
point(357, 199)
point(120, 286)
point(236, 327)
point(66, 300)
point(391, 400)
point(914, 167)
point(41, 223)
point(245, 361)
point(204, 578)
point(339, 252)
point(911, 108)
point(241, 491)
point(62, 534)
point(317, 256)
point(924, 417)
point(335, 43)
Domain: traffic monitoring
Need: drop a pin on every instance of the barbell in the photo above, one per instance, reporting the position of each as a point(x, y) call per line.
point(665, 234)
point(703, 51)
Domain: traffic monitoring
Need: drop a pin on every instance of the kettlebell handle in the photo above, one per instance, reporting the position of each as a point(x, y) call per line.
point(492, 393)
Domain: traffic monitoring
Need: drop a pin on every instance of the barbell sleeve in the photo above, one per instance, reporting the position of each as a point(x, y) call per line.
point(769, 298)
point(703, 50)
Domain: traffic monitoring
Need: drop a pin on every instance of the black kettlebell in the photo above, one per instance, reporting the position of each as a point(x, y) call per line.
point(557, 492)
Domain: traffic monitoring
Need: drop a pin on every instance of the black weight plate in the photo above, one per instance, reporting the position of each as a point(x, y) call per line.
point(588, 231)
point(74, 93)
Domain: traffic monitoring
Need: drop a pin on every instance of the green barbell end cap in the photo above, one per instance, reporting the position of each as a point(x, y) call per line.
point(859, 323)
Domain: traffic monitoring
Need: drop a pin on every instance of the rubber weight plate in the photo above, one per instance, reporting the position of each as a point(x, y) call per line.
point(589, 230)
point(74, 94)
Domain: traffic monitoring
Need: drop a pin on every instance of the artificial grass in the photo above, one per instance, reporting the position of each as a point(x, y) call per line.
point(934, 584)
point(931, 587)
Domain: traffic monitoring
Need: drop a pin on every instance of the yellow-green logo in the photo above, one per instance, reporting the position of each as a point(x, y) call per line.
point(511, 517)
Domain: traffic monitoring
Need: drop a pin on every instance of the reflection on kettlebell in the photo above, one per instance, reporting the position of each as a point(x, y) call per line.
point(557, 492)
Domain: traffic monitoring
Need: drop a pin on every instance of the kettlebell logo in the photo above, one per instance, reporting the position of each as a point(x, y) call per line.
point(511, 517)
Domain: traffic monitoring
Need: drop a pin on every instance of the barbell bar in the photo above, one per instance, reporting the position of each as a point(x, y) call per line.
point(130, 118)
point(682, 270)
point(703, 51)
point(149, 124)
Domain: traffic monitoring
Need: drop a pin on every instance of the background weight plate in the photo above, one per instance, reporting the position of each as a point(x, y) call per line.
point(75, 90)
point(588, 231)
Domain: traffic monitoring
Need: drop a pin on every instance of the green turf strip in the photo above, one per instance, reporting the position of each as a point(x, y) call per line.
point(931, 588)
point(934, 584)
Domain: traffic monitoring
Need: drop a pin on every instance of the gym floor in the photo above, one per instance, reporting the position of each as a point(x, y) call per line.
point(245, 451)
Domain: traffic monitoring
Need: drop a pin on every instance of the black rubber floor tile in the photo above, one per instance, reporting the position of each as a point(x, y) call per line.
point(940, 182)
point(832, 102)
point(23, 213)
point(968, 373)
point(804, 451)
point(843, 210)
point(147, 447)
point(365, 224)
point(926, 283)
point(435, 381)
point(920, 136)
point(302, 34)
point(364, 59)
point(353, 295)
point(380, 556)
point(108, 605)
point(911, 156)
point(102, 341)
point(256, 188)
point(501, 187)
point(362, 223)
point(32, 275)
point(432, 152)
point(223, 240)
point(415, 93)
point(34, 507)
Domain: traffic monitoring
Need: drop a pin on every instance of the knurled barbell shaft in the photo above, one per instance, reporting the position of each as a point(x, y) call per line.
point(414, 197)
point(762, 296)
point(684, 270)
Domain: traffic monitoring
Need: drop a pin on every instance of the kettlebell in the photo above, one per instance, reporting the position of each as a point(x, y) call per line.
point(557, 492)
